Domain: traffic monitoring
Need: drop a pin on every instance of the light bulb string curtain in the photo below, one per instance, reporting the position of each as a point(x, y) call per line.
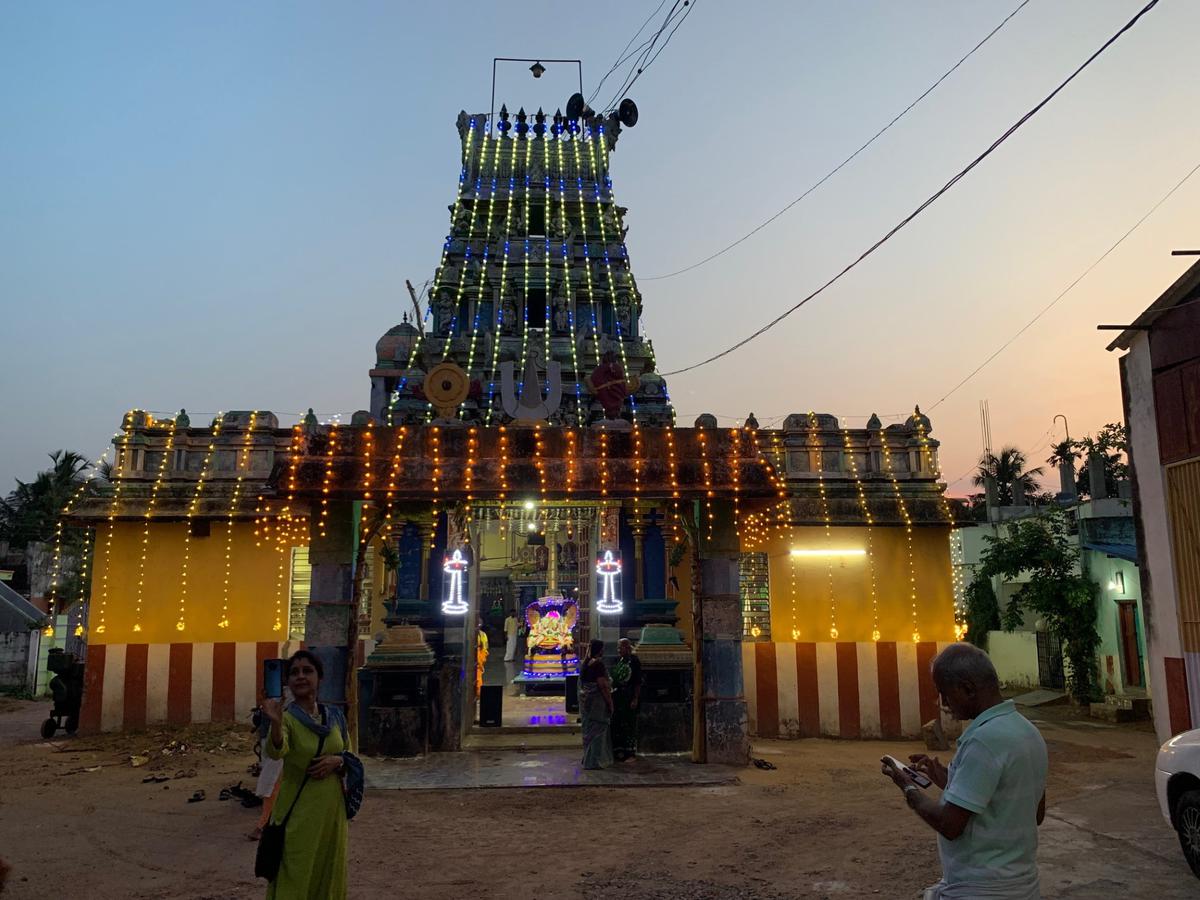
point(929, 90)
point(1011, 130)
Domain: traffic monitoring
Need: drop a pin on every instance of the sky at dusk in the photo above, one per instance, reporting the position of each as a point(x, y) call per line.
point(215, 206)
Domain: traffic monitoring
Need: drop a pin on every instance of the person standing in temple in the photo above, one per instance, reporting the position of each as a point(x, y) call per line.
point(596, 708)
point(512, 630)
point(310, 738)
point(993, 793)
point(626, 693)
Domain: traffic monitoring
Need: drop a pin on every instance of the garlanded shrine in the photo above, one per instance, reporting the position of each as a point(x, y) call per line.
point(520, 455)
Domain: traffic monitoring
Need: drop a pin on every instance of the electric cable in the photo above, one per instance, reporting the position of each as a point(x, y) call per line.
point(929, 90)
point(1167, 196)
point(1012, 129)
point(621, 58)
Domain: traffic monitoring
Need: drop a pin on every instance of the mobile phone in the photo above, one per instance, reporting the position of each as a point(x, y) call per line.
point(273, 678)
point(921, 779)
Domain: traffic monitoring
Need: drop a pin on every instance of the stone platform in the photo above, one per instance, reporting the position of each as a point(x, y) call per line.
point(540, 768)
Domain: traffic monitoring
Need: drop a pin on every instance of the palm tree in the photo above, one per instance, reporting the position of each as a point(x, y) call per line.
point(1008, 469)
point(31, 512)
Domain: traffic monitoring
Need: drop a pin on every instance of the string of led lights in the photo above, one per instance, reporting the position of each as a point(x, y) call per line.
point(866, 511)
point(933, 198)
point(587, 257)
point(150, 504)
point(194, 505)
point(499, 313)
point(60, 524)
point(520, 374)
point(123, 462)
point(814, 440)
point(908, 531)
point(242, 462)
point(612, 284)
point(568, 252)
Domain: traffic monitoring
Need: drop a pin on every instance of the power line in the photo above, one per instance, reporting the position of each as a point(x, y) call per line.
point(929, 90)
point(1067, 289)
point(929, 202)
point(621, 57)
point(689, 5)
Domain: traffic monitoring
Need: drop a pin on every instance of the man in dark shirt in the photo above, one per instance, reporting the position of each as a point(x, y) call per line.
point(627, 688)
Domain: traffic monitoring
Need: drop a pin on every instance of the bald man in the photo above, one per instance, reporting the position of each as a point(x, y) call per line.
point(993, 793)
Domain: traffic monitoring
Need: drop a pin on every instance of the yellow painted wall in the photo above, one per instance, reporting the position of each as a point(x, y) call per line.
point(801, 592)
point(254, 595)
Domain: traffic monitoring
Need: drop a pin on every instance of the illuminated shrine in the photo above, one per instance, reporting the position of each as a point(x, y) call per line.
point(519, 458)
point(550, 653)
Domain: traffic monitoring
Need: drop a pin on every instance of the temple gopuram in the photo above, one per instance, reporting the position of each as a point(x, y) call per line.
point(520, 459)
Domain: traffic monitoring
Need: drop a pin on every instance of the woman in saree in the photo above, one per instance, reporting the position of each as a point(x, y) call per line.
point(596, 707)
point(310, 738)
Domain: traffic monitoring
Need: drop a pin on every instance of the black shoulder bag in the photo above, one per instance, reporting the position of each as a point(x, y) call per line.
point(270, 846)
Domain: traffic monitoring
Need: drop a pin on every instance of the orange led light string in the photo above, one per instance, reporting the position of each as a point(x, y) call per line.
point(58, 535)
point(932, 464)
point(908, 532)
point(866, 511)
point(330, 450)
point(158, 480)
point(89, 537)
point(702, 438)
point(603, 463)
point(122, 463)
point(243, 463)
point(815, 440)
point(181, 622)
point(792, 567)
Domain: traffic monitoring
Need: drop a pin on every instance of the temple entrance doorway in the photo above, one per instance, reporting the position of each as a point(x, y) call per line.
point(532, 590)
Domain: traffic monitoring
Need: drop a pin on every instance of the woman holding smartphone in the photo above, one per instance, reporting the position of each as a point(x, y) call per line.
point(310, 738)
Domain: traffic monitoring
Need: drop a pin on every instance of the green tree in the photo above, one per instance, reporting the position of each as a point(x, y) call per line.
point(983, 611)
point(1041, 548)
point(1008, 469)
point(31, 512)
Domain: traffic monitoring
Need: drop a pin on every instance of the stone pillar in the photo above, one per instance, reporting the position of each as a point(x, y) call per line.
point(428, 528)
point(722, 723)
point(330, 599)
point(637, 527)
point(551, 558)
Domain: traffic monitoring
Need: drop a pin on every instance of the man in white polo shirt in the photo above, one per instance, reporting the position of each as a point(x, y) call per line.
point(994, 792)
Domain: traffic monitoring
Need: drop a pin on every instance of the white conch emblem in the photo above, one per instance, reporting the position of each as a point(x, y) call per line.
point(530, 406)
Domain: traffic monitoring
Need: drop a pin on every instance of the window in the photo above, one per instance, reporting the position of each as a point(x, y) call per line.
point(301, 582)
point(537, 219)
point(754, 582)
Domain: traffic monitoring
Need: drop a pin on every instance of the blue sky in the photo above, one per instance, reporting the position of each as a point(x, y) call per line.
point(216, 205)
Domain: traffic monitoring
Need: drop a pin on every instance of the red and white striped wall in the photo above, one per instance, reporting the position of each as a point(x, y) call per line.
point(840, 689)
point(130, 686)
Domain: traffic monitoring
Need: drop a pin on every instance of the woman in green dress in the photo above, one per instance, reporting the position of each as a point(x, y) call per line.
point(314, 846)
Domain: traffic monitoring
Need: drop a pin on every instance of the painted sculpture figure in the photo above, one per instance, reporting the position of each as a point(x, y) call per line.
point(551, 643)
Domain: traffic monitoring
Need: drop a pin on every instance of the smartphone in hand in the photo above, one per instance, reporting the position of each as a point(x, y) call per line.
point(273, 678)
point(919, 778)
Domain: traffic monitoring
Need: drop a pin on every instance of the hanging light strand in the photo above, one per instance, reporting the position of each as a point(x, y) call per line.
point(908, 532)
point(866, 511)
point(242, 462)
point(150, 504)
point(815, 440)
point(123, 462)
point(193, 506)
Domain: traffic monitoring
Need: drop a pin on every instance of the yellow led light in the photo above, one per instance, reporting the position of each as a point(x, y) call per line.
point(822, 553)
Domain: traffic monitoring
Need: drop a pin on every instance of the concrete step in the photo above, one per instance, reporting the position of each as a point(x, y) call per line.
point(1116, 708)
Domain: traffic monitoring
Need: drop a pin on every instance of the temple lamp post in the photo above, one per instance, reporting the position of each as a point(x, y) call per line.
point(537, 69)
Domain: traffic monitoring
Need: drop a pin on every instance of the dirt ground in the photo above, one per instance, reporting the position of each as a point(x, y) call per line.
point(77, 820)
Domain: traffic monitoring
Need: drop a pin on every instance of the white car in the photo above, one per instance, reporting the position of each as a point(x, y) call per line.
point(1177, 778)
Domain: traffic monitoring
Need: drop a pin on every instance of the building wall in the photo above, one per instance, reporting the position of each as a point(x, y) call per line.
point(1014, 654)
point(257, 590)
point(800, 586)
point(18, 659)
point(1174, 709)
point(1103, 570)
point(840, 689)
